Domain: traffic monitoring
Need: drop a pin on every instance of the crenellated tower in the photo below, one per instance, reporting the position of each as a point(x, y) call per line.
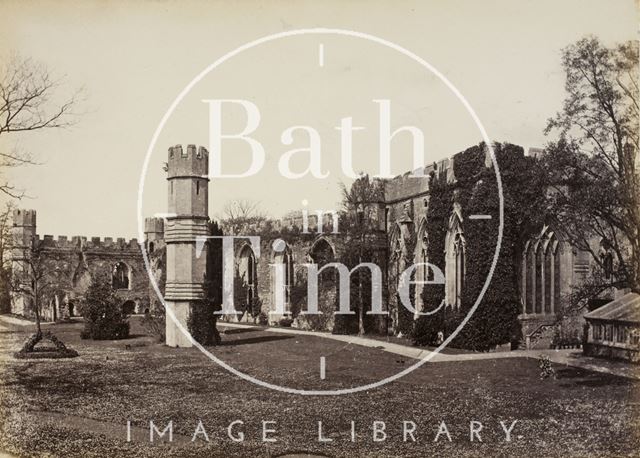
point(23, 234)
point(188, 219)
point(153, 232)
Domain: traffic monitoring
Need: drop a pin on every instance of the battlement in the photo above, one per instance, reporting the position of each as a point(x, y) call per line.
point(153, 225)
point(24, 217)
point(534, 152)
point(291, 222)
point(189, 162)
point(90, 243)
point(408, 185)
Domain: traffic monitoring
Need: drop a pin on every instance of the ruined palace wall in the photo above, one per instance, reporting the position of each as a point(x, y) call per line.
point(408, 195)
point(71, 264)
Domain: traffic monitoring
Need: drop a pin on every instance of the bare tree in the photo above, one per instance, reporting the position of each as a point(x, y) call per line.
point(32, 281)
point(360, 203)
point(27, 103)
point(5, 234)
point(240, 213)
point(5, 258)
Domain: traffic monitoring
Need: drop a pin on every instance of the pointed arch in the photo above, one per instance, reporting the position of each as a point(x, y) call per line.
point(322, 245)
point(121, 276)
point(286, 258)
point(323, 252)
point(247, 275)
point(541, 273)
point(455, 258)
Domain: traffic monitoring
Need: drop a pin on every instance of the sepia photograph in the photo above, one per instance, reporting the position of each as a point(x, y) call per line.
point(319, 229)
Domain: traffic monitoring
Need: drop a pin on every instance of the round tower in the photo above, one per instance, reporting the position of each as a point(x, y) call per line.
point(188, 219)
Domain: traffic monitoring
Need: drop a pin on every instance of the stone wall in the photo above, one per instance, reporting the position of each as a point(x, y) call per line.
point(69, 264)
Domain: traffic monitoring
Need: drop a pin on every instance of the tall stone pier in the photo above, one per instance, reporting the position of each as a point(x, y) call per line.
point(23, 234)
point(188, 219)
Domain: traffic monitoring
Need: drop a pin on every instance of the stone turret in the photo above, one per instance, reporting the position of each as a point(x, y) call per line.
point(23, 234)
point(153, 229)
point(188, 219)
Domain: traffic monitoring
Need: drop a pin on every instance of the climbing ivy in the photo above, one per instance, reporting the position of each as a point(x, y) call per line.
point(495, 321)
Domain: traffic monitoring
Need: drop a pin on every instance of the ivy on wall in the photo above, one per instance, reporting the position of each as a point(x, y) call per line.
point(495, 321)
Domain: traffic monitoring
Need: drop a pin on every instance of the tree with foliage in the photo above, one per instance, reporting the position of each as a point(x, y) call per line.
point(593, 170)
point(104, 318)
point(360, 223)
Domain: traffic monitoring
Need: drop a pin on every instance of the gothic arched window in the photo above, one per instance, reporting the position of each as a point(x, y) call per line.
point(541, 273)
point(459, 249)
point(247, 270)
point(120, 276)
point(287, 260)
point(455, 262)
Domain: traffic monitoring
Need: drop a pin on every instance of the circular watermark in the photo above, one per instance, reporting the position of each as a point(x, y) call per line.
point(292, 33)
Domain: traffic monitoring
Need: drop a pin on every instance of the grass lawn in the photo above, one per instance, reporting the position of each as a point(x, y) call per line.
point(80, 406)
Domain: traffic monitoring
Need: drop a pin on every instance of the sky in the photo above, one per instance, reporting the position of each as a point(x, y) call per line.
point(131, 60)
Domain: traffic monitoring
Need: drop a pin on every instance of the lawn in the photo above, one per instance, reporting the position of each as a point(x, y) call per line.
point(80, 406)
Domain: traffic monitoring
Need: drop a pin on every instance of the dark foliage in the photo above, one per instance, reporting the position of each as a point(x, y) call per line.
point(495, 320)
point(5, 290)
point(154, 324)
point(202, 323)
point(58, 350)
point(103, 316)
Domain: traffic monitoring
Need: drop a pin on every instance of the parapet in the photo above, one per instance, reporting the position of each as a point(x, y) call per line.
point(408, 185)
point(24, 217)
point(190, 162)
point(535, 152)
point(63, 242)
point(153, 225)
point(444, 169)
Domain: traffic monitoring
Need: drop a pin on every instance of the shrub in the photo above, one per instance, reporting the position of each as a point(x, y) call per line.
point(155, 326)
point(345, 324)
point(102, 313)
point(5, 293)
point(202, 324)
point(425, 330)
point(263, 319)
point(546, 369)
point(256, 308)
point(285, 322)
point(59, 349)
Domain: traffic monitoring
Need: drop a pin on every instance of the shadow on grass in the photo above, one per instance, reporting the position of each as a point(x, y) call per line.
point(238, 330)
point(301, 455)
point(254, 340)
point(580, 377)
point(134, 336)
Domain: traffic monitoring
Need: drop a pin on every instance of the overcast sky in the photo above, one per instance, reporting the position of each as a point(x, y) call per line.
point(132, 59)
